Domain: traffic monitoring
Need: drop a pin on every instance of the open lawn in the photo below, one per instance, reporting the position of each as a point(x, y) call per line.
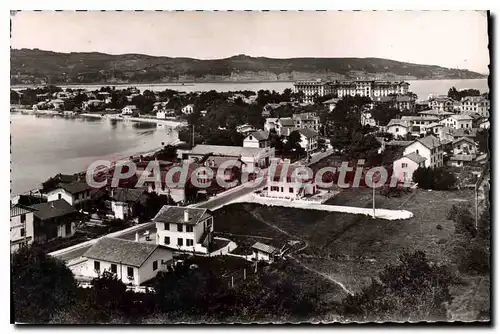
point(352, 249)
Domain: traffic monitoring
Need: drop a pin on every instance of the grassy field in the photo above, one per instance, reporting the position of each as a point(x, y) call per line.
point(354, 248)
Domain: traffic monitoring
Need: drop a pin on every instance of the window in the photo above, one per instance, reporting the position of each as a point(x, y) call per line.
point(397, 129)
point(155, 265)
point(166, 226)
point(166, 240)
point(113, 268)
point(290, 190)
point(179, 227)
point(281, 189)
point(130, 272)
point(23, 218)
point(189, 228)
point(59, 196)
point(416, 151)
point(274, 188)
point(180, 242)
point(23, 232)
point(404, 165)
point(189, 242)
point(97, 266)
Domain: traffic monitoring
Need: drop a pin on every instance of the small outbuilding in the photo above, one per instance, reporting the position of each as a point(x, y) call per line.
point(263, 252)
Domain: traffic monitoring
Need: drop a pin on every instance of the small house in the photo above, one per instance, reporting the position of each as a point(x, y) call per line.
point(132, 262)
point(56, 219)
point(263, 252)
point(130, 109)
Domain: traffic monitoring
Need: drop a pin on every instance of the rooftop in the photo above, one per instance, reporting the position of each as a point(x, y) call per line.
point(260, 135)
point(233, 151)
point(467, 139)
point(430, 142)
point(57, 208)
point(127, 252)
point(17, 210)
point(264, 248)
point(74, 187)
point(126, 194)
point(286, 122)
point(400, 122)
point(415, 157)
point(308, 133)
point(175, 215)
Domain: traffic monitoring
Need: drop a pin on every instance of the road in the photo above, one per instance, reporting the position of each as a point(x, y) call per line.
point(214, 203)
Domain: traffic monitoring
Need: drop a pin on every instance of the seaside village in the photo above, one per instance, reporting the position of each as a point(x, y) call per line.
point(135, 233)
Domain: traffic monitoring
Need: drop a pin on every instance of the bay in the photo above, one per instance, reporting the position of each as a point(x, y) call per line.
point(44, 146)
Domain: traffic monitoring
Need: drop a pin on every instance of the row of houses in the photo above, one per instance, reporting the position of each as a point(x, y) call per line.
point(477, 104)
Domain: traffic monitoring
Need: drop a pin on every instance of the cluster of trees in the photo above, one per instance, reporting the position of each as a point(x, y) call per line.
point(45, 291)
point(434, 178)
point(412, 290)
point(458, 95)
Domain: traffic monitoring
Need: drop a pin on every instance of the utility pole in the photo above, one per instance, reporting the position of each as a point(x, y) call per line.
point(476, 200)
point(244, 273)
point(192, 143)
point(373, 187)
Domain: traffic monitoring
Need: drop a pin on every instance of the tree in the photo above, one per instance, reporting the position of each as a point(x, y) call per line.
point(292, 144)
point(434, 178)
point(41, 285)
point(363, 147)
point(482, 139)
point(413, 290)
point(384, 112)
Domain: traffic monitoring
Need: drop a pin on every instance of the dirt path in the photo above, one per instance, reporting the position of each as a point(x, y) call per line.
point(342, 286)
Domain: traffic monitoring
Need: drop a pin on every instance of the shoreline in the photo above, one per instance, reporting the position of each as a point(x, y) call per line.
point(194, 83)
point(118, 117)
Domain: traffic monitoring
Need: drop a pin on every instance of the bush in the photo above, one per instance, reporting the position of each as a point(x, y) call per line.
point(434, 178)
point(476, 261)
point(439, 227)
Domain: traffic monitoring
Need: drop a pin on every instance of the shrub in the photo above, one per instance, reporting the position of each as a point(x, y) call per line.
point(439, 227)
point(434, 178)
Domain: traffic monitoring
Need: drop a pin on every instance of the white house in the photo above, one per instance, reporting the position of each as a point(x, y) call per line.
point(428, 147)
point(436, 113)
point(464, 146)
point(331, 103)
point(398, 128)
point(263, 252)
point(163, 114)
point(132, 262)
point(441, 103)
point(21, 227)
point(308, 139)
point(283, 126)
point(435, 129)
point(184, 229)
point(56, 219)
point(367, 119)
point(484, 123)
point(129, 110)
point(57, 104)
point(124, 201)
point(404, 167)
point(478, 104)
point(458, 122)
point(286, 181)
point(188, 110)
point(309, 120)
point(257, 139)
point(75, 193)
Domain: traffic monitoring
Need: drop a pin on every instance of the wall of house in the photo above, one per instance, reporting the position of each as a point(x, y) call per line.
point(258, 255)
point(87, 270)
point(420, 150)
point(404, 173)
point(251, 142)
point(120, 209)
point(464, 147)
point(61, 230)
point(397, 130)
point(162, 256)
point(174, 235)
point(54, 196)
point(15, 230)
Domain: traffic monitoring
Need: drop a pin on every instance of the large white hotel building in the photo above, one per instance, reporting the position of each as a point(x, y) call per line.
point(370, 88)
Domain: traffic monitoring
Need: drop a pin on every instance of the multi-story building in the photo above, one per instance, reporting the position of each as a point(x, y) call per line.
point(306, 121)
point(287, 182)
point(478, 104)
point(458, 122)
point(21, 227)
point(257, 139)
point(441, 103)
point(308, 139)
point(401, 102)
point(312, 89)
point(369, 88)
point(429, 148)
point(184, 229)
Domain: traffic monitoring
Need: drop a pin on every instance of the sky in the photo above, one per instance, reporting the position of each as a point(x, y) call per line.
point(454, 39)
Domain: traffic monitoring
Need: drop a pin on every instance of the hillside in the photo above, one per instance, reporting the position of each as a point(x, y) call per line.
point(37, 66)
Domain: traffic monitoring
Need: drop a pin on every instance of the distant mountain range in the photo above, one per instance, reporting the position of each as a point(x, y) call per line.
point(42, 67)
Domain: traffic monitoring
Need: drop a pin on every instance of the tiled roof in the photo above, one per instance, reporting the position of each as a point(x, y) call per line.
point(429, 142)
point(399, 142)
point(260, 135)
point(464, 132)
point(435, 112)
point(74, 187)
point(17, 210)
point(462, 157)
point(126, 252)
point(461, 117)
point(264, 248)
point(131, 106)
point(308, 133)
point(53, 209)
point(400, 122)
point(433, 124)
point(415, 157)
point(420, 118)
point(232, 151)
point(288, 122)
point(331, 101)
point(127, 195)
point(467, 139)
point(175, 215)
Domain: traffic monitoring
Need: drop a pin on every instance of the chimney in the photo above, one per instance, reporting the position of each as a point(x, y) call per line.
point(136, 236)
point(186, 216)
